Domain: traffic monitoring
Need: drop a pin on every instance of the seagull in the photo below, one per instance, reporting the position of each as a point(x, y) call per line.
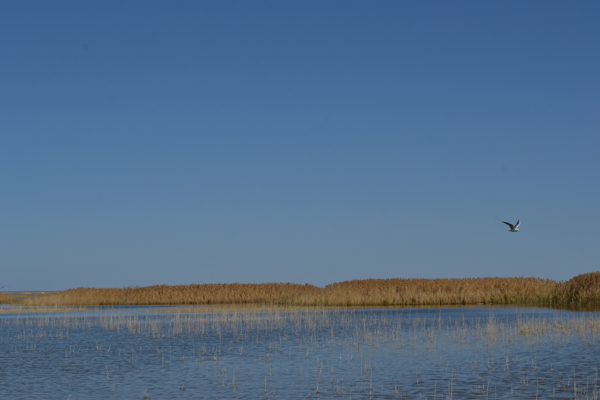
point(515, 227)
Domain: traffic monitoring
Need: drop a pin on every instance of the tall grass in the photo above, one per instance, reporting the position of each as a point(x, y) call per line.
point(580, 290)
point(435, 292)
point(235, 293)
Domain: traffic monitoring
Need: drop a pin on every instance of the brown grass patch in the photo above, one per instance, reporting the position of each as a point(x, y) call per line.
point(180, 294)
point(369, 292)
point(435, 292)
point(582, 290)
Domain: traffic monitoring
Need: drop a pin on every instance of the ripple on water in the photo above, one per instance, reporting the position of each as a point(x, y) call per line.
point(158, 352)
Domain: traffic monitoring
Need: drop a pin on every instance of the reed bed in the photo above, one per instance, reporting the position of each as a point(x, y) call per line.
point(436, 292)
point(367, 327)
point(582, 290)
point(174, 295)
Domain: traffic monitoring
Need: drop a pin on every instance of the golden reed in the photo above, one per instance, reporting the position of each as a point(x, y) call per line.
point(580, 290)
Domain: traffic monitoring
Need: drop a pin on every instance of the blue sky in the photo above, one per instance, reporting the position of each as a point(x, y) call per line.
point(311, 142)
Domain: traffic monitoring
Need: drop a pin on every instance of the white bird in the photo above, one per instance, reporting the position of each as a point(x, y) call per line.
point(515, 227)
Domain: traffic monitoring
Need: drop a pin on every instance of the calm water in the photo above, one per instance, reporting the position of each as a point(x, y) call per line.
point(169, 353)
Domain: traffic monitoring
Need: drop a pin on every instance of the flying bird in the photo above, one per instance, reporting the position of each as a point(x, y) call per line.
point(515, 227)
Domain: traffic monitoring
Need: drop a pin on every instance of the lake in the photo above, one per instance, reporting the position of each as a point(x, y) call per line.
point(482, 352)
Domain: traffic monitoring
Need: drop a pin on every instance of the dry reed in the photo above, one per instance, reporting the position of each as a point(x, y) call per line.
point(436, 292)
point(580, 290)
point(180, 294)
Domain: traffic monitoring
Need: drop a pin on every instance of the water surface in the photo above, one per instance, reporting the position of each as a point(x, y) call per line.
point(384, 353)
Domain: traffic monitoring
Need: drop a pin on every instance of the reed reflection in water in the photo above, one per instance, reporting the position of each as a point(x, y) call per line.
point(274, 353)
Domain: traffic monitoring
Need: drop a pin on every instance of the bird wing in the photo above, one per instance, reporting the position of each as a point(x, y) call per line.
point(518, 223)
point(509, 224)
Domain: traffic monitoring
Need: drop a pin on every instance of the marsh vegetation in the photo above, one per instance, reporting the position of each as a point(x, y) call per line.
point(288, 341)
point(580, 290)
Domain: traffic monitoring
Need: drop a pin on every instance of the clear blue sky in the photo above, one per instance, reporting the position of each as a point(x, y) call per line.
point(177, 142)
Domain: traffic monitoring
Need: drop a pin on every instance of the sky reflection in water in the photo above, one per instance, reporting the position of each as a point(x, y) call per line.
point(462, 353)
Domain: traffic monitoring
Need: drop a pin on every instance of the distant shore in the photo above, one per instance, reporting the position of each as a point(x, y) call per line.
point(582, 290)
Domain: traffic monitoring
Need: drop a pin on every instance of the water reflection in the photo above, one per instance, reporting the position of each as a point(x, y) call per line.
point(206, 352)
